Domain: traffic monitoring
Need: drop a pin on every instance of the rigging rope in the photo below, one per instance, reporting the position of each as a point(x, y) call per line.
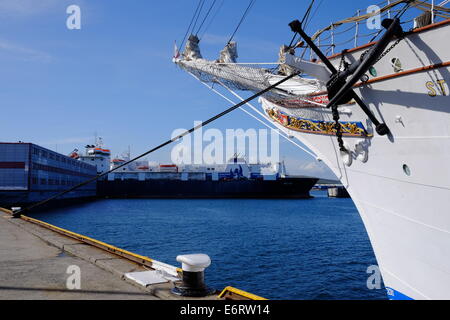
point(308, 11)
point(398, 15)
point(212, 19)
point(198, 16)
point(314, 14)
point(305, 17)
point(250, 5)
point(422, 5)
point(280, 132)
point(201, 125)
point(190, 24)
point(308, 20)
point(206, 16)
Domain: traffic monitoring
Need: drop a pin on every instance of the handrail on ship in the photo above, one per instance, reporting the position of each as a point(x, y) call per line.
point(385, 11)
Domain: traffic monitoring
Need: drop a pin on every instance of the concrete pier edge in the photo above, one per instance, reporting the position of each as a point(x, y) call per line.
point(116, 264)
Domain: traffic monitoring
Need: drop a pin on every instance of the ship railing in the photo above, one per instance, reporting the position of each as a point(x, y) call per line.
point(354, 31)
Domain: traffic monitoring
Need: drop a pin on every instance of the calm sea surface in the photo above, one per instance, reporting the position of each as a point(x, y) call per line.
point(278, 249)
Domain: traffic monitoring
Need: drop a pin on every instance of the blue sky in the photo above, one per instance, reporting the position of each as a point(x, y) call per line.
point(115, 77)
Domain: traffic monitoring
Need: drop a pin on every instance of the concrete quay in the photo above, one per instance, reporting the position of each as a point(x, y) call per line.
point(37, 264)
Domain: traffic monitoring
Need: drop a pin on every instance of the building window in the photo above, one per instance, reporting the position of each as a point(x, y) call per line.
point(34, 180)
point(43, 181)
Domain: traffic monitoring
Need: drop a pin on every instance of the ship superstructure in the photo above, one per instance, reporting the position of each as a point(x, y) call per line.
point(97, 156)
point(236, 168)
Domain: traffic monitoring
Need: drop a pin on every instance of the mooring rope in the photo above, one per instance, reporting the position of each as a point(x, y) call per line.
point(201, 125)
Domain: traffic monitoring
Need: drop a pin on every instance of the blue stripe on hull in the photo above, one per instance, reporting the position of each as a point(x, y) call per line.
point(396, 295)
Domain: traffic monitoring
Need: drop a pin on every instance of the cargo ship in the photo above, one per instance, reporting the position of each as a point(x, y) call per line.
point(30, 173)
point(239, 180)
point(235, 179)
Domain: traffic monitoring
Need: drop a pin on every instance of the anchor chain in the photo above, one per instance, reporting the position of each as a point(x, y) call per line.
point(336, 81)
point(338, 127)
point(334, 108)
point(389, 49)
point(385, 52)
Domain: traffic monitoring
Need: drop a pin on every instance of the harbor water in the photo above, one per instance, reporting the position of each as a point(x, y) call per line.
point(278, 249)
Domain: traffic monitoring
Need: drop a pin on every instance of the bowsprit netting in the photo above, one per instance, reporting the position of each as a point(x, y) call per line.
point(244, 77)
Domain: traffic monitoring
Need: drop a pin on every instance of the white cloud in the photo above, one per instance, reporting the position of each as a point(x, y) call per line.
point(308, 168)
point(213, 39)
point(313, 166)
point(24, 53)
point(214, 43)
point(25, 8)
point(72, 140)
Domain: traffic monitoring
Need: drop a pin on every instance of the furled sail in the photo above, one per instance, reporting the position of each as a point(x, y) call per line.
point(246, 77)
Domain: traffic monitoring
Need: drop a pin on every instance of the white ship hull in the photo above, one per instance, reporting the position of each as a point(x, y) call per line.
point(401, 183)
